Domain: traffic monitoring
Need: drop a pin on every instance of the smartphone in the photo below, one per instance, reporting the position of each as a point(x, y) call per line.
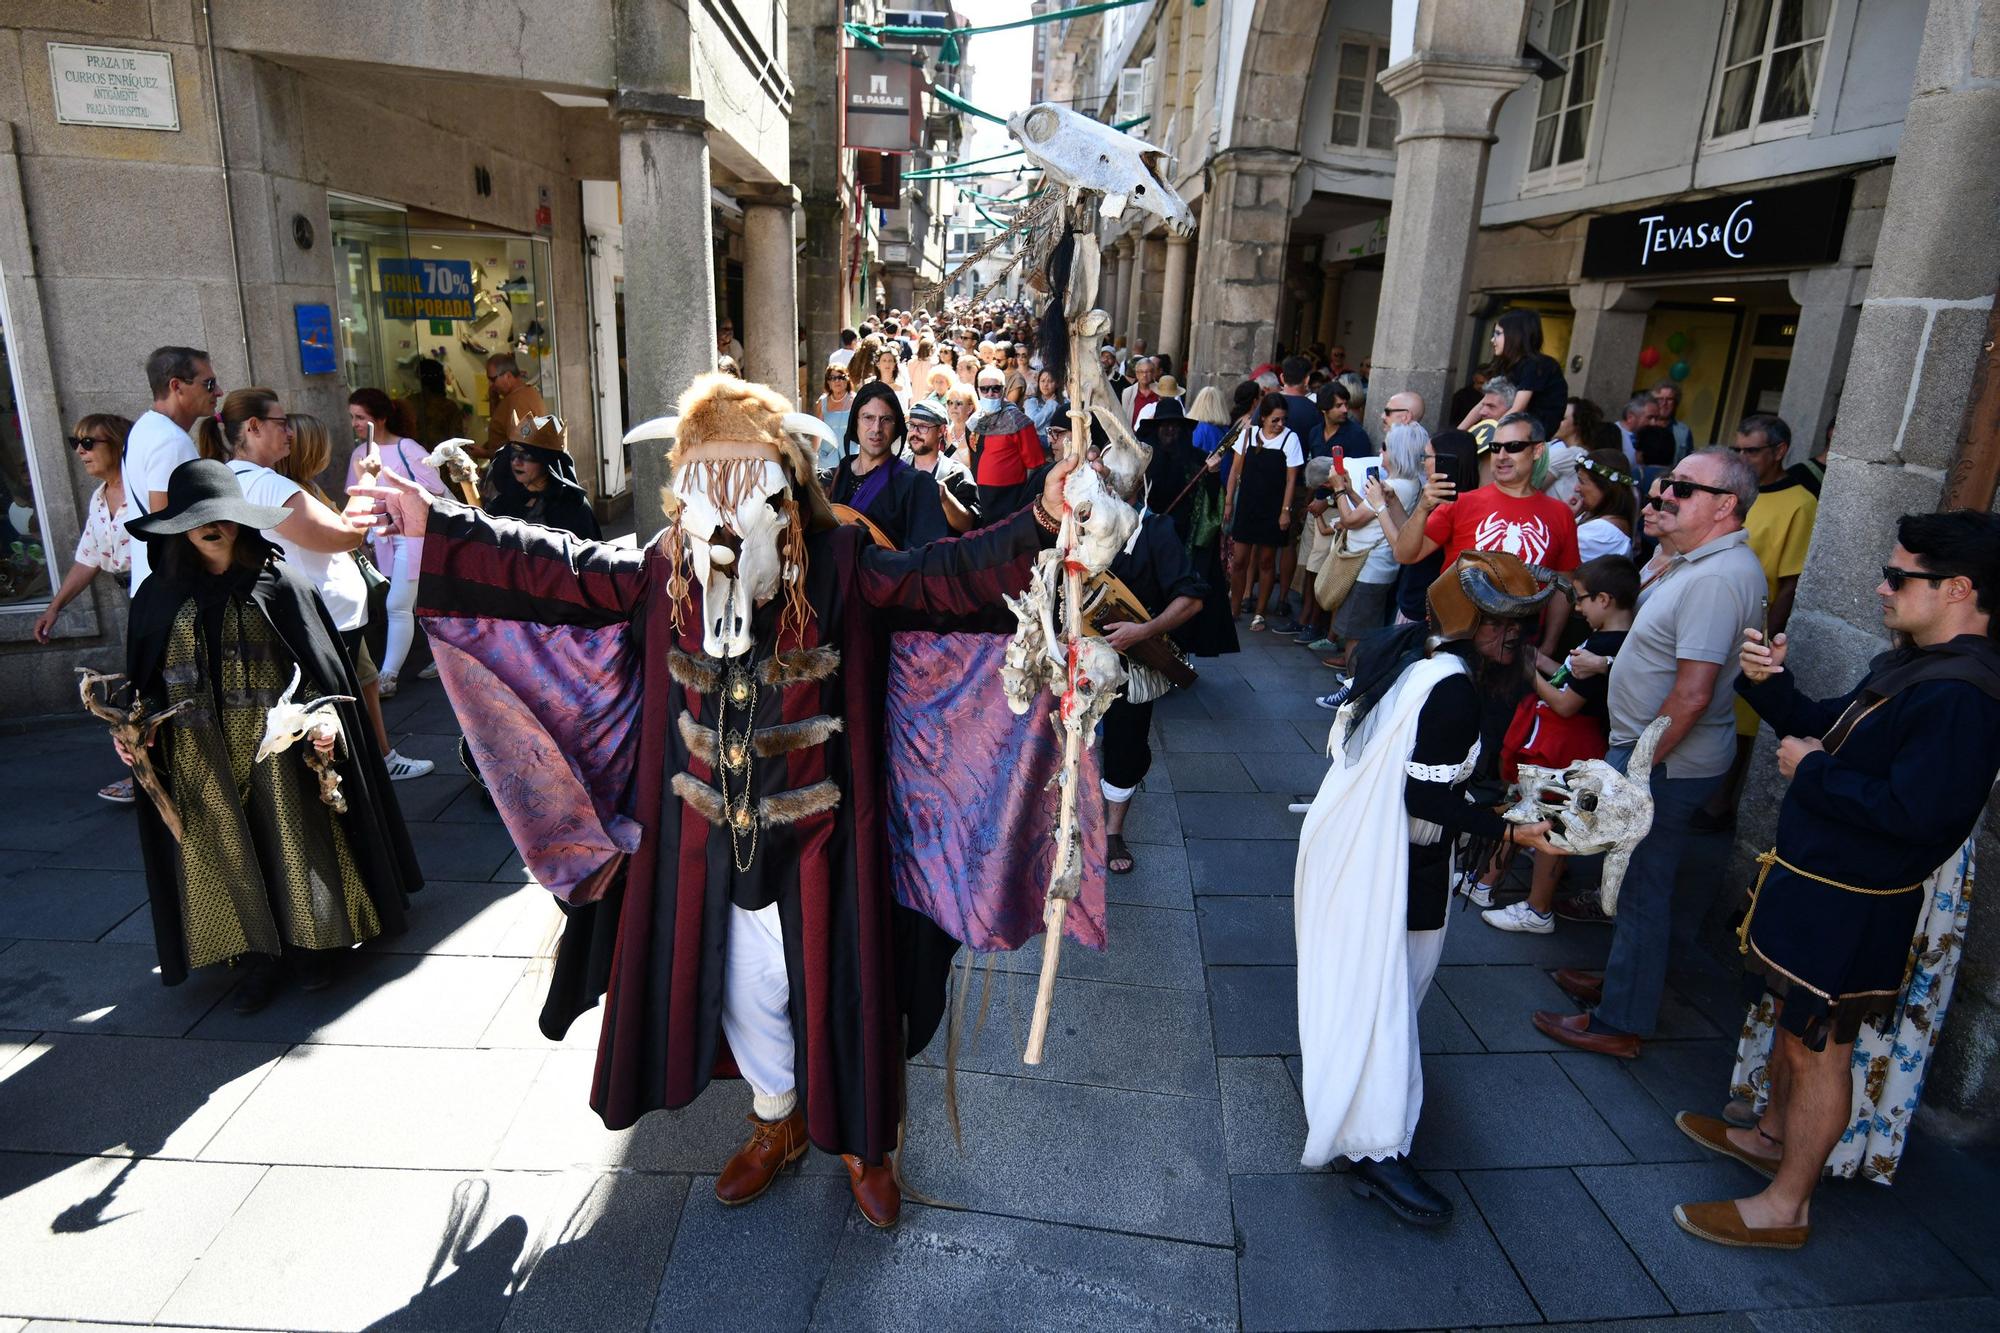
point(1374, 474)
point(1339, 458)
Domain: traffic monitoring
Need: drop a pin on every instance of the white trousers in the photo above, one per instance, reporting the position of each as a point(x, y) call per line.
point(402, 560)
point(1425, 948)
point(756, 994)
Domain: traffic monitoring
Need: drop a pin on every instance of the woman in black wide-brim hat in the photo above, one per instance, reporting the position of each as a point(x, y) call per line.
point(265, 869)
point(1181, 484)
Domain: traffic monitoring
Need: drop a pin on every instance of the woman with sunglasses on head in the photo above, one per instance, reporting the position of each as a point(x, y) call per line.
point(382, 436)
point(1605, 504)
point(99, 442)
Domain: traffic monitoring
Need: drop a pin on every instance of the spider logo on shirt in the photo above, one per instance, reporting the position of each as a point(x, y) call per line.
point(1528, 539)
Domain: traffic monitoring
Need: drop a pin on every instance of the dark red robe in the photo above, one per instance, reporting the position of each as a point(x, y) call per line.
point(650, 939)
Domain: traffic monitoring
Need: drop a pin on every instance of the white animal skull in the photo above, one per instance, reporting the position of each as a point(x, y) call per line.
point(1081, 154)
point(735, 553)
point(1595, 808)
point(452, 462)
point(288, 722)
point(1104, 523)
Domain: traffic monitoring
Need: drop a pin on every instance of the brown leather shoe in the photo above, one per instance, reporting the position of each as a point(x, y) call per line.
point(876, 1192)
point(1580, 985)
point(773, 1145)
point(1724, 1225)
point(1713, 1134)
point(1574, 1030)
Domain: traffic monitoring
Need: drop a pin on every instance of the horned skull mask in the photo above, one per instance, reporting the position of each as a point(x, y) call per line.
point(733, 519)
point(1593, 808)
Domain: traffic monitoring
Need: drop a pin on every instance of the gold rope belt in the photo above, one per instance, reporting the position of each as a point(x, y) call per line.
point(1771, 858)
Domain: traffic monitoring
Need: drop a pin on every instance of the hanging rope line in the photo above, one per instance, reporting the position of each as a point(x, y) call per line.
point(949, 50)
point(957, 169)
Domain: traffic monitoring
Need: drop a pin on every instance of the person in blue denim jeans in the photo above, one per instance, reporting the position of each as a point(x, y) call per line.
point(1679, 661)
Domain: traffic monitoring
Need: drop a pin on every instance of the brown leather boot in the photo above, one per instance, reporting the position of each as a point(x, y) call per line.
point(875, 1190)
point(773, 1145)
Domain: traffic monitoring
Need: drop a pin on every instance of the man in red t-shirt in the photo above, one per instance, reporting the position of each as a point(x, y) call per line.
point(1005, 448)
point(1510, 515)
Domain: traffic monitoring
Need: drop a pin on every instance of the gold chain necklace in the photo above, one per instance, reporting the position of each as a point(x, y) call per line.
point(732, 755)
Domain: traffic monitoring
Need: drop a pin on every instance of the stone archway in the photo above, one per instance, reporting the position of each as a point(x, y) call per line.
point(1247, 207)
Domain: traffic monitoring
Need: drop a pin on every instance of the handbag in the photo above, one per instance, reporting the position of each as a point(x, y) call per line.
point(1338, 573)
point(374, 630)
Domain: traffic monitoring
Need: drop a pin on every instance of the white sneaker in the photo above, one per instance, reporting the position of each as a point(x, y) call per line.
point(385, 685)
point(1519, 916)
point(430, 671)
point(1479, 895)
point(402, 767)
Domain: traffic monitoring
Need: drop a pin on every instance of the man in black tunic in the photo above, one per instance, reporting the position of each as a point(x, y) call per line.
point(1886, 782)
point(875, 480)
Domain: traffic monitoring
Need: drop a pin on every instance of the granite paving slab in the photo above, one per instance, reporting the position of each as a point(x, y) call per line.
point(1442, 1029)
point(706, 1284)
point(1315, 1256)
point(1288, 775)
point(1255, 1010)
point(937, 1266)
point(1144, 946)
point(1153, 820)
point(1471, 942)
point(461, 851)
point(1487, 1111)
point(102, 839)
point(1247, 815)
point(1187, 735)
point(605, 1259)
point(1573, 1261)
point(475, 917)
point(468, 805)
point(1194, 773)
point(555, 1128)
point(72, 1223)
point(1101, 1034)
point(1159, 878)
point(71, 986)
point(435, 1250)
point(381, 999)
point(1645, 1127)
point(445, 1110)
point(429, 797)
point(517, 1023)
point(1263, 1119)
point(1500, 1003)
point(1247, 930)
point(1686, 1076)
point(1240, 866)
point(1136, 1162)
point(1865, 1246)
point(1974, 1312)
point(119, 1096)
point(1953, 1191)
point(1289, 697)
point(47, 904)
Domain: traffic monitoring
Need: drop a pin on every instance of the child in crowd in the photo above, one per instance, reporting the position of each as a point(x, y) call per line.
point(1567, 720)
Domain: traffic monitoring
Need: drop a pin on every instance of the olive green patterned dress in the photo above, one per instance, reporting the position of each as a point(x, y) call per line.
point(264, 863)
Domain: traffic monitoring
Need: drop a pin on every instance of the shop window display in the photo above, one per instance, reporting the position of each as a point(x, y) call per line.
point(25, 580)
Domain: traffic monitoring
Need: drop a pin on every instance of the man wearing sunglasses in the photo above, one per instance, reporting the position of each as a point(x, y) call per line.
point(184, 391)
point(1678, 662)
point(1510, 515)
point(1005, 446)
point(1886, 784)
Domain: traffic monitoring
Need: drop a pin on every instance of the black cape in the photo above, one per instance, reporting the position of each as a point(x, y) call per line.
point(564, 504)
point(375, 833)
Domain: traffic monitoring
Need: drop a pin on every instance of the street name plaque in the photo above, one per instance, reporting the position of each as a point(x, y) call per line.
point(109, 85)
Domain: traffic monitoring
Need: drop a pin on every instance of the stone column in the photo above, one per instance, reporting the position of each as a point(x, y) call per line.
point(1604, 346)
point(1121, 290)
point(1329, 304)
point(1240, 265)
point(1466, 60)
point(1829, 311)
point(770, 300)
point(819, 285)
point(669, 273)
point(1929, 325)
point(1135, 307)
point(1173, 300)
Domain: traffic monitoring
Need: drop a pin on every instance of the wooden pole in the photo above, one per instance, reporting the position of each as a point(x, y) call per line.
point(1068, 868)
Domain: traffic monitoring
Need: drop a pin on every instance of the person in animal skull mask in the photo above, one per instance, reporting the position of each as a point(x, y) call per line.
point(1375, 857)
point(876, 481)
point(692, 735)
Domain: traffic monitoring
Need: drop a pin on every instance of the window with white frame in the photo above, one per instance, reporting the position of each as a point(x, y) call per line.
point(1770, 67)
point(1563, 115)
point(1131, 93)
point(1363, 115)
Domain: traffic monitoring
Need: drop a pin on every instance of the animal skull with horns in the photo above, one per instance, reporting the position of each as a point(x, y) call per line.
point(1592, 807)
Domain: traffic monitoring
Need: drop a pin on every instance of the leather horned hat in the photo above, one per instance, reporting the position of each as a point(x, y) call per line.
point(1488, 585)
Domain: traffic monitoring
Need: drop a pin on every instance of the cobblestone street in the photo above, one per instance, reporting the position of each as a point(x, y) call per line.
point(404, 1150)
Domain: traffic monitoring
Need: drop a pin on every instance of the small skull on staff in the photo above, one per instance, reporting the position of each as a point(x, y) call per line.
point(133, 730)
point(288, 722)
